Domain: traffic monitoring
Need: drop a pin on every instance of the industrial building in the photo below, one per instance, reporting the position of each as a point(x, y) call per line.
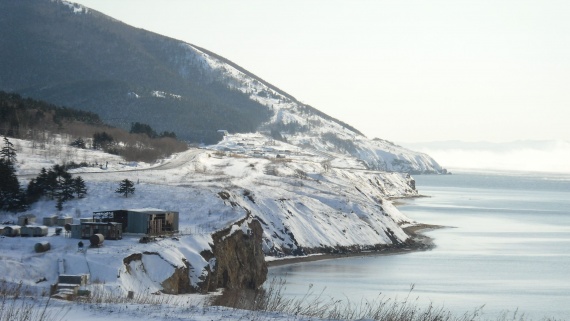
point(149, 221)
point(109, 230)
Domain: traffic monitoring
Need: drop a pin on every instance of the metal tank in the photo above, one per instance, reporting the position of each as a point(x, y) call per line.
point(96, 240)
point(42, 247)
point(12, 230)
point(40, 230)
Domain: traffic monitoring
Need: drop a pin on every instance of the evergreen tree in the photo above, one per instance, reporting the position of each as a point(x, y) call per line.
point(59, 204)
point(10, 195)
point(50, 184)
point(102, 140)
point(168, 134)
point(79, 187)
point(34, 191)
point(79, 143)
point(8, 152)
point(56, 184)
point(65, 187)
point(138, 128)
point(126, 187)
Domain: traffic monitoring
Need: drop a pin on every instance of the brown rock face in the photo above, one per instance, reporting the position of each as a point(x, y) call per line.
point(179, 282)
point(240, 262)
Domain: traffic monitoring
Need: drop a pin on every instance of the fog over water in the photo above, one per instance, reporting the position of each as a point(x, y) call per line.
point(525, 156)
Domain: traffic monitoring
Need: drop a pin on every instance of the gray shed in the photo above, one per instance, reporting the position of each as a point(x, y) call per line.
point(75, 231)
point(26, 219)
point(50, 220)
point(62, 220)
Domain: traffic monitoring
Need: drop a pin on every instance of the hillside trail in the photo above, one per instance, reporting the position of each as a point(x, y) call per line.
point(177, 161)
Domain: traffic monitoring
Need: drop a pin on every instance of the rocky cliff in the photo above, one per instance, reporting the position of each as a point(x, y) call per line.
point(239, 259)
point(235, 261)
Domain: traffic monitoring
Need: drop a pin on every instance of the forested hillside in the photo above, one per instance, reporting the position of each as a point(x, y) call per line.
point(86, 60)
point(43, 122)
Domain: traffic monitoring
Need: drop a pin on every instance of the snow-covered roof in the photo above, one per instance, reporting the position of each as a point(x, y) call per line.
point(148, 210)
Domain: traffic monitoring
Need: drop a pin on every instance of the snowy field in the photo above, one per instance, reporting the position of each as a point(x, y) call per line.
point(304, 199)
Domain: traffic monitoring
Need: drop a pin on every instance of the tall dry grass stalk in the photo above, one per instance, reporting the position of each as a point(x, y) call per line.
point(316, 305)
point(19, 304)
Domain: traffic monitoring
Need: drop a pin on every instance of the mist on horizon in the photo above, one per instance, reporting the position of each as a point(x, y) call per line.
point(526, 156)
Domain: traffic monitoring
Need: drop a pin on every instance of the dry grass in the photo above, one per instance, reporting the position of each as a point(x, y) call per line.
point(317, 305)
point(18, 304)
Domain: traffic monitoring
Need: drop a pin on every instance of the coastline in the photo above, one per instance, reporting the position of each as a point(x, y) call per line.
point(417, 242)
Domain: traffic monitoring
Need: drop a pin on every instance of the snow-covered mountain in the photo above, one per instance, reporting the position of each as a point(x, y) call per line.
point(69, 55)
point(303, 125)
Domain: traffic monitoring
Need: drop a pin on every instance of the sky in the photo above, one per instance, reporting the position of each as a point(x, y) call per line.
point(494, 71)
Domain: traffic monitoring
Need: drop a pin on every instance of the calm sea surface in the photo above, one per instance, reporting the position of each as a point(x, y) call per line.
point(508, 249)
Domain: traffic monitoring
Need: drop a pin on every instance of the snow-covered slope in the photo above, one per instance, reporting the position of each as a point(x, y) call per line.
point(303, 125)
point(305, 202)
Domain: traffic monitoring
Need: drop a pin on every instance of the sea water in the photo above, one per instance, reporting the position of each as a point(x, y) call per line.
point(506, 248)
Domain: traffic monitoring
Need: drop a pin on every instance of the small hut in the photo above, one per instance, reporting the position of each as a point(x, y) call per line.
point(50, 220)
point(75, 231)
point(26, 219)
point(62, 220)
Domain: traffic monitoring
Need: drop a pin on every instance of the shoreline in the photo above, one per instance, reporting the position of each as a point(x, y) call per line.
point(420, 242)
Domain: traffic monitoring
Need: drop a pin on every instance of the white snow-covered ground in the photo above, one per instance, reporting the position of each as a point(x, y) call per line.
point(303, 198)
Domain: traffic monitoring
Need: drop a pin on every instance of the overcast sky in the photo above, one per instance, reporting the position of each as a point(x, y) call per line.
point(406, 71)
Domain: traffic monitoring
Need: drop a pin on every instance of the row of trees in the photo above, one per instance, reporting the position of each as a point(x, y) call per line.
point(140, 128)
point(55, 183)
point(138, 146)
point(38, 121)
point(18, 116)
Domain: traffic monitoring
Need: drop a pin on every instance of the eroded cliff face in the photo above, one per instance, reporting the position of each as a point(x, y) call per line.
point(239, 259)
point(235, 261)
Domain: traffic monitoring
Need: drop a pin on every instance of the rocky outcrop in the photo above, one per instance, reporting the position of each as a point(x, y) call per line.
point(176, 281)
point(236, 261)
point(239, 259)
